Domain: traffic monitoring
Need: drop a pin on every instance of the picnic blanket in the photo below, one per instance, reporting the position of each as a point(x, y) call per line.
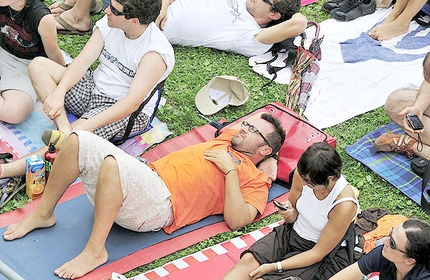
point(39, 253)
point(355, 69)
point(395, 168)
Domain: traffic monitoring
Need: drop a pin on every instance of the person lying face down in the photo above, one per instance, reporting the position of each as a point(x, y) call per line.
point(214, 177)
point(247, 27)
point(403, 255)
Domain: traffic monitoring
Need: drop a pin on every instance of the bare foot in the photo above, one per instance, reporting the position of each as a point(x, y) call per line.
point(30, 223)
point(390, 30)
point(83, 263)
point(81, 23)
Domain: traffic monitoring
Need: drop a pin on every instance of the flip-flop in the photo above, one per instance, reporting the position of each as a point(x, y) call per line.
point(5, 157)
point(9, 188)
point(96, 8)
point(70, 30)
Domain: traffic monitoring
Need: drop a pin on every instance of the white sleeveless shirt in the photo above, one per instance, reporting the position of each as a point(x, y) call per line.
point(313, 213)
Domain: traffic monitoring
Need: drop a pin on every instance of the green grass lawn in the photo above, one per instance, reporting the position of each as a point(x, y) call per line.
point(195, 67)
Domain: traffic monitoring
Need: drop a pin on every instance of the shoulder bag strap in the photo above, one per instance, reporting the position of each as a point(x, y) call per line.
point(134, 115)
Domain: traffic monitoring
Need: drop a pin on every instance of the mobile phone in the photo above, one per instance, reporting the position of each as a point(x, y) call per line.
point(414, 122)
point(280, 206)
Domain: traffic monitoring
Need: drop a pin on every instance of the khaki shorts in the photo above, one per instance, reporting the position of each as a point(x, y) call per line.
point(14, 74)
point(146, 200)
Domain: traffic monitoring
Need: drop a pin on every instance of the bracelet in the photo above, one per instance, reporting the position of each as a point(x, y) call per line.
point(225, 174)
point(279, 267)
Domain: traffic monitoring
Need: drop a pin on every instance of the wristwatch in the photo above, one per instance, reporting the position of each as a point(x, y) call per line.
point(279, 267)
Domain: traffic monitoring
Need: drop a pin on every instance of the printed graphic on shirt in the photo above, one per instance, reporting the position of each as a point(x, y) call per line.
point(112, 59)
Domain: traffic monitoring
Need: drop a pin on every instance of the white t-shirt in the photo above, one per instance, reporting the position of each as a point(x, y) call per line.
point(220, 24)
point(121, 56)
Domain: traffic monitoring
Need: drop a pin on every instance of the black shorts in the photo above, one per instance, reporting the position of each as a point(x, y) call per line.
point(284, 242)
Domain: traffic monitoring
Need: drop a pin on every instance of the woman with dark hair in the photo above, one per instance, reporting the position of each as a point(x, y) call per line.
point(320, 211)
point(403, 255)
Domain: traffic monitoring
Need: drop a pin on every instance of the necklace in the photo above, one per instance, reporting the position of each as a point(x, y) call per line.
point(13, 17)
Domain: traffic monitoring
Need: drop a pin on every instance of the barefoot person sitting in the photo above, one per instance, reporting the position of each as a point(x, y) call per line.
point(397, 22)
point(398, 105)
point(219, 176)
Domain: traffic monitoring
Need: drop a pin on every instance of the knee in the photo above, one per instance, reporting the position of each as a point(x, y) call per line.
point(37, 66)
point(248, 260)
point(397, 101)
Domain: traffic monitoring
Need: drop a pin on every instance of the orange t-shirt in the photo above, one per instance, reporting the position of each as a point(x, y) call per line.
point(197, 185)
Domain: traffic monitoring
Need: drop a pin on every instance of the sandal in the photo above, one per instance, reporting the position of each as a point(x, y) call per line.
point(9, 188)
point(6, 157)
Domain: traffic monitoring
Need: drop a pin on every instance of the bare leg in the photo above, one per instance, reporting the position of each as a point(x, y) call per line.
point(398, 21)
point(108, 200)
point(64, 172)
point(242, 268)
point(78, 16)
point(45, 75)
point(395, 103)
point(15, 106)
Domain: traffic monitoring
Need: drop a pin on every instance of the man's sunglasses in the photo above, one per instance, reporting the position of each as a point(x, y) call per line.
point(393, 244)
point(115, 12)
point(253, 129)
point(272, 6)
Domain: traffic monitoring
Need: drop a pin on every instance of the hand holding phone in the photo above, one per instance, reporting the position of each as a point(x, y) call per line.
point(414, 122)
point(280, 206)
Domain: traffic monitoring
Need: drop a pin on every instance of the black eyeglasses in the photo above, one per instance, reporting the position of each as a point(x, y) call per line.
point(115, 11)
point(309, 182)
point(393, 244)
point(272, 6)
point(253, 129)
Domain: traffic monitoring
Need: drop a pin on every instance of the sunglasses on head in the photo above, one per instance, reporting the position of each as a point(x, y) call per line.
point(393, 244)
point(115, 11)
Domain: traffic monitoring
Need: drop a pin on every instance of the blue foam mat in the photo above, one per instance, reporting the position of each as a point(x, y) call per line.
point(40, 252)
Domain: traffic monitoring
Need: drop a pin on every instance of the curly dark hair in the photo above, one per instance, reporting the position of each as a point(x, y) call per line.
point(418, 245)
point(287, 8)
point(146, 11)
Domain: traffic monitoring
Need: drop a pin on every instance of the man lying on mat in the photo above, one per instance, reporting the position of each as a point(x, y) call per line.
point(215, 177)
point(399, 105)
point(247, 27)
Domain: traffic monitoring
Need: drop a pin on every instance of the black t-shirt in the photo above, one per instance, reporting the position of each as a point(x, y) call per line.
point(19, 35)
point(375, 262)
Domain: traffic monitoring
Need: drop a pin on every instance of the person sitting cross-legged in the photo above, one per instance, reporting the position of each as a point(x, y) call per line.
point(398, 105)
point(134, 56)
point(219, 176)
